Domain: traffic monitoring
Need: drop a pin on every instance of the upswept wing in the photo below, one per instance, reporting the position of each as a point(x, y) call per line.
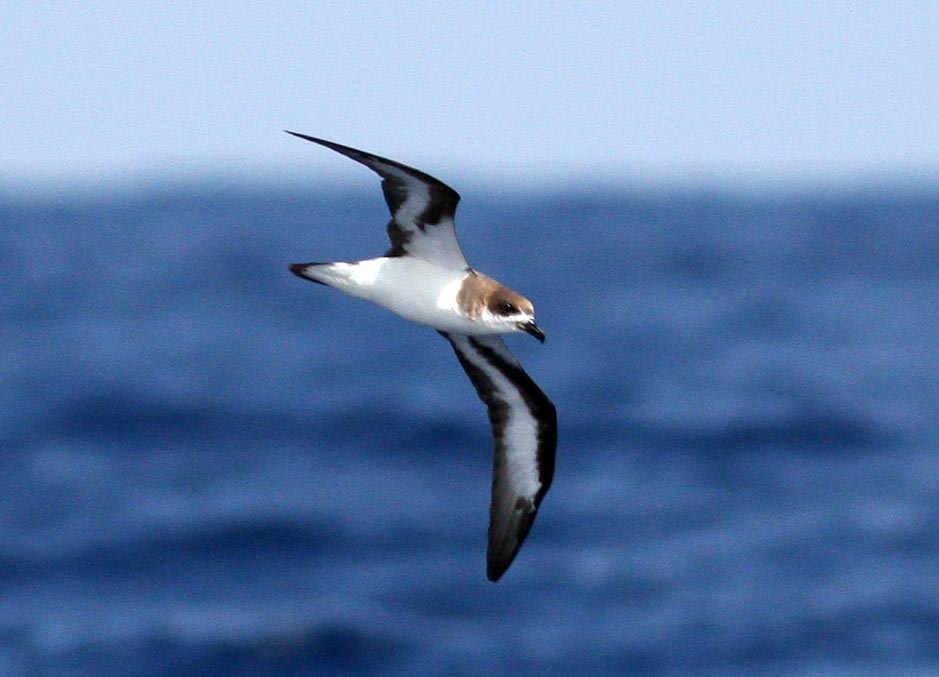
point(524, 427)
point(422, 208)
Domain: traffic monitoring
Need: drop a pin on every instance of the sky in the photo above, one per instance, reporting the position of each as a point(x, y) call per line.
point(98, 95)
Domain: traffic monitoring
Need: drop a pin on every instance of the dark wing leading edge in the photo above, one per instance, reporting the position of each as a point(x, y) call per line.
point(524, 427)
point(422, 208)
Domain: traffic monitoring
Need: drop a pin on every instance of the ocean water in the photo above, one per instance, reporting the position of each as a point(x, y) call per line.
point(210, 467)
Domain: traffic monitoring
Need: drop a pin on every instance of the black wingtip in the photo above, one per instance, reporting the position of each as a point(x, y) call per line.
point(495, 570)
point(302, 136)
point(348, 151)
point(323, 142)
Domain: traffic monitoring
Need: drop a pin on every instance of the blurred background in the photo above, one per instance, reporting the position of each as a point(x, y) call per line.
point(725, 214)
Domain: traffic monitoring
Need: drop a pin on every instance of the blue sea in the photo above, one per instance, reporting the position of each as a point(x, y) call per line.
point(210, 467)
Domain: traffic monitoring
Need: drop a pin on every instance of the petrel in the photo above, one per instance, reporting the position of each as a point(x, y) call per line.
point(425, 278)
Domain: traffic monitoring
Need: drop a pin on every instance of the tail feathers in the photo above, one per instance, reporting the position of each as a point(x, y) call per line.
point(309, 271)
point(352, 277)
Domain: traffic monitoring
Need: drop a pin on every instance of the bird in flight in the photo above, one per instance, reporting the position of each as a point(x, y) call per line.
point(425, 278)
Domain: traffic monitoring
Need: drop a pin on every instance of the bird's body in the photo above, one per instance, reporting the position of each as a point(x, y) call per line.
point(425, 278)
point(434, 292)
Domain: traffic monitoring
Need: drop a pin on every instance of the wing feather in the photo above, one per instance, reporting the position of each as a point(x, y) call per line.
point(422, 208)
point(524, 428)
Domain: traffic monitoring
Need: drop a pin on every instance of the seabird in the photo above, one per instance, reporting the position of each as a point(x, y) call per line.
point(425, 278)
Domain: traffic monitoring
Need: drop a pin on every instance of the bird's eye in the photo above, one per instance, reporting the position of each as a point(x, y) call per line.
point(507, 308)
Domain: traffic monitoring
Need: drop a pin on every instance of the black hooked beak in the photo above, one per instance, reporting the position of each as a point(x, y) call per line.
point(531, 328)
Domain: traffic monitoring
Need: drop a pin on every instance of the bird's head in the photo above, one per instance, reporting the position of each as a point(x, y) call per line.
point(514, 311)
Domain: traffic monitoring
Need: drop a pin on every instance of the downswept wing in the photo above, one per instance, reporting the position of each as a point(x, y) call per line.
point(524, 428)
point(422, 208)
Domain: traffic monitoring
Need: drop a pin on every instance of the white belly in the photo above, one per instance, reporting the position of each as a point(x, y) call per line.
point(412, 288)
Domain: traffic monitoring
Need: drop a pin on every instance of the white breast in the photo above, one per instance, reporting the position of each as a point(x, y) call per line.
point(412, 288)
